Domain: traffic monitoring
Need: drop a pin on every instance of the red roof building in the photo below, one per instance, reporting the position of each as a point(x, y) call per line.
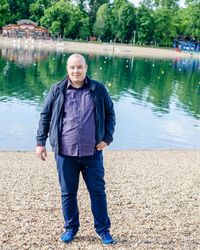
point(26, 29)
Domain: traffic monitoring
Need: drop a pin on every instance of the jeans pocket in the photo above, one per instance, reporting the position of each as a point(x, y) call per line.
point(98, 153)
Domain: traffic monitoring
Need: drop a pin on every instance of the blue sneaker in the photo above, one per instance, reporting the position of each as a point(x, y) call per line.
point(106, 238)
point(68, 236)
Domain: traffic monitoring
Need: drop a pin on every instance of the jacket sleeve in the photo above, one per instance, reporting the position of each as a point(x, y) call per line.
point(45, 119)
point(110, 120)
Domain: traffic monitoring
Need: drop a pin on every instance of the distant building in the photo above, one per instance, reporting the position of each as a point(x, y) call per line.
point(187, 44)
point(26, 29)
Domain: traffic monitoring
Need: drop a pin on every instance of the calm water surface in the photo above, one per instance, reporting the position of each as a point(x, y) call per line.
point(157, 102)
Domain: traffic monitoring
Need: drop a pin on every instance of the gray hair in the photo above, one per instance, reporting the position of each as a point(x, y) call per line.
point(76, 55)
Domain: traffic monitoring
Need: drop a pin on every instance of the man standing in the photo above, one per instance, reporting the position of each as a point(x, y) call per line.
point(78, 117)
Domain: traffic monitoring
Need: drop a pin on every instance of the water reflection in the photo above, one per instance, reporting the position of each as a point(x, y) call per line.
point(186, 64)
point(23, 57)
point(161, 95)
point(32, 81)
point(150, 81)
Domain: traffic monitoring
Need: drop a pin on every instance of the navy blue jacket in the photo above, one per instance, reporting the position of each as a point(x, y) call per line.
point(50, 122)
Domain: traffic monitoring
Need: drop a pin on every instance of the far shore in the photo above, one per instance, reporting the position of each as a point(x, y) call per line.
point(112, 49)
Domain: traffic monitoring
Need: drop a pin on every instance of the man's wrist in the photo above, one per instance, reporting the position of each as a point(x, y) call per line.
point(106, 142)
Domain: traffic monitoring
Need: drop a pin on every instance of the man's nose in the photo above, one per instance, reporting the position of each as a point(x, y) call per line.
point(76, 69)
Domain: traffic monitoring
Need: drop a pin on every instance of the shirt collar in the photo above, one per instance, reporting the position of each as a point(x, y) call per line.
point(69, 84)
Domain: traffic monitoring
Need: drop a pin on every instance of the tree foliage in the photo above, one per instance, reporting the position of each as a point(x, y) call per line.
point(102, 25)
point(165, 30)
point(65, 19)
point(191, 18)
point(93, 6)
point(170, 4)
point(123, 22)
point(4, 12)
point(152, 22)
point(19, 9)
point(37, 9)
point(145, 24)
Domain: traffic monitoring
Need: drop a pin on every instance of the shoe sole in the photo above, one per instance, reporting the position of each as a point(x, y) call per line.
point(66, 242)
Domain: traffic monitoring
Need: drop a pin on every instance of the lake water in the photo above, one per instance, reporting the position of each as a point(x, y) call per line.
point(157, 101)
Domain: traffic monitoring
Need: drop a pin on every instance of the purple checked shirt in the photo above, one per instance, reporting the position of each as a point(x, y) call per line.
point(78, 126)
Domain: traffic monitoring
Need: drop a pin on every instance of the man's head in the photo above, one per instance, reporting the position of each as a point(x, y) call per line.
point(77, 69)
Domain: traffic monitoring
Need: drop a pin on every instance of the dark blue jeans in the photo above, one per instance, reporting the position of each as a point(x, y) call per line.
point(92, 170)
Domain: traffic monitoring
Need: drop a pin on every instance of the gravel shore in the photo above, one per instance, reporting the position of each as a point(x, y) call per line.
point(153, 200)
point(112, 49)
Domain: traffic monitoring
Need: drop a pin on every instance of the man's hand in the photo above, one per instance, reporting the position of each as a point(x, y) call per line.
point(101, 145)
point(41, 152)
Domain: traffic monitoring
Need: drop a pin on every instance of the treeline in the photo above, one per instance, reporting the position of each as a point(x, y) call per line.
point(153, 22)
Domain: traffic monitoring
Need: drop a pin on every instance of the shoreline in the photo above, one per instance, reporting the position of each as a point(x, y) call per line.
point(94, 48)
point(153, 201)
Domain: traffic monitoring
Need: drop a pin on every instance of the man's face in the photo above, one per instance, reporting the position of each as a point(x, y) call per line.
point(77, 69)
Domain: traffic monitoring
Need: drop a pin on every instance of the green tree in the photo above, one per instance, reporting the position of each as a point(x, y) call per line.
point(124, 20)
point(92, 10)
point(190, 19)
point(145, 24)
point(90, 7)
point(101, 27)
point(82, 4)
point(4, 12)
point(147, 3)
point(65, 19)
point(37, 9)
point(19, 9)
point(84, 28)
point(165, 28)
point(170, 4)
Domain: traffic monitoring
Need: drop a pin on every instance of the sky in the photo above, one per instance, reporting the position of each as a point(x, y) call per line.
point(136, 2)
